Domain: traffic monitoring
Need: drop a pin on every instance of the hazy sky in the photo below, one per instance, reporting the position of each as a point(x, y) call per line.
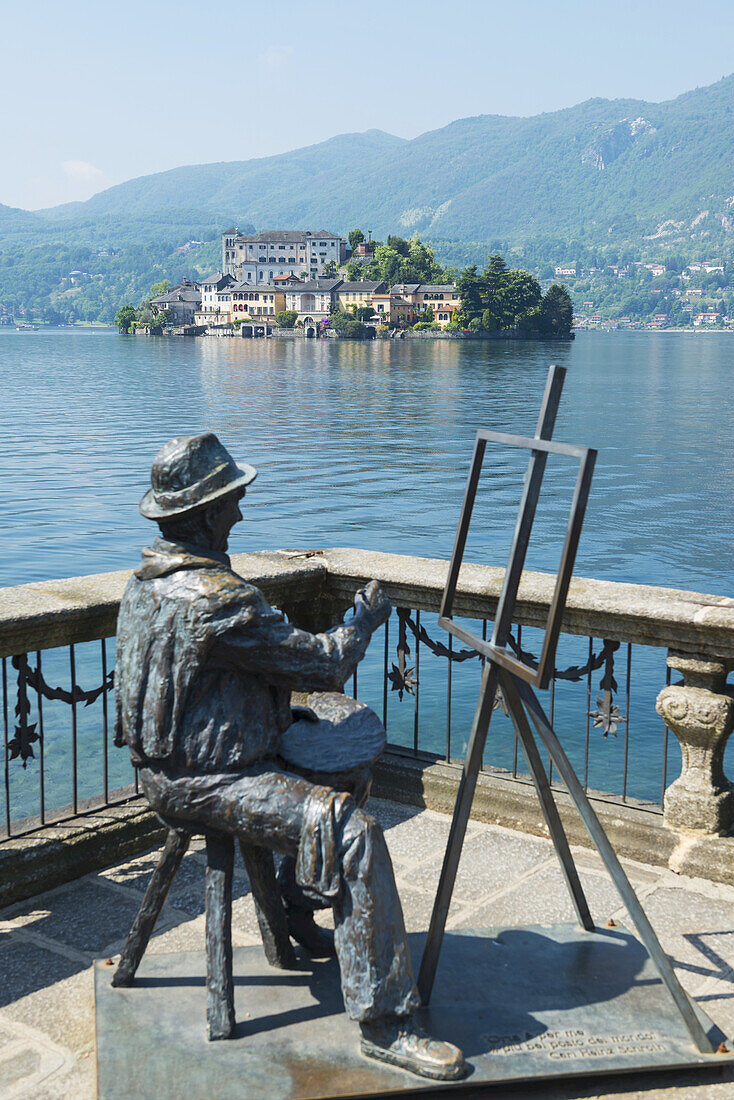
point(94, 93)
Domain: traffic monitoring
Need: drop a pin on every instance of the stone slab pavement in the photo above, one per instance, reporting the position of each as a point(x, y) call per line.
point(47, 944)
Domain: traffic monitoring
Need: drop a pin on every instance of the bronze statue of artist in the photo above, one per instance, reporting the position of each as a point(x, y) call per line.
point(205, 669)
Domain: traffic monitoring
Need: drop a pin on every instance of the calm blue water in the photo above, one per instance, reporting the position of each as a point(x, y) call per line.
point(368, 445)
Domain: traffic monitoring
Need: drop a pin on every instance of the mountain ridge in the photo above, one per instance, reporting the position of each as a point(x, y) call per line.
point(475, 178)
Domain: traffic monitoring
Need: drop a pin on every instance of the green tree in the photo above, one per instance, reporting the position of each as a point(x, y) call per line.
point(330, 269)
point(389, 264)
point(286, 318)
point(125, 317)
point(495, 294)
point(356, 236)
point(422, 264)
point(400, 245)
point(469, 287)
point(160, 288)
point(347, 325)
point(556, 312)
point(522, 293)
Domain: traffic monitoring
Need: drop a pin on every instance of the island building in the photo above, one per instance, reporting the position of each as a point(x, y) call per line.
point(215, 299)
point(249, 304)
point(225, 299)
point(261, 257)
point(182, 302)
point(359, 294)
point(406, 303)
point(312, 300)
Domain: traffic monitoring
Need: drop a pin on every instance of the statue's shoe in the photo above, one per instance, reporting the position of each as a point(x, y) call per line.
point(399, 1041)
point(318, 941)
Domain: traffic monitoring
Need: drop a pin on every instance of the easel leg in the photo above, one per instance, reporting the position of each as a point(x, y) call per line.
point(462, 809)
point(622, 883)
point(547, 802)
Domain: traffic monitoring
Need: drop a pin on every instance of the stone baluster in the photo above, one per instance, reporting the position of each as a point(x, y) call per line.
point(700, 712)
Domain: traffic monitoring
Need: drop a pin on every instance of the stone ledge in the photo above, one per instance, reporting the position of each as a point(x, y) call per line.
point(644, 614)
point(635, 833)
point(41, 860)
point(45, 614)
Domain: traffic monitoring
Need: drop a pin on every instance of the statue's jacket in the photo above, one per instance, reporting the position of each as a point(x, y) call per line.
point(205, 666)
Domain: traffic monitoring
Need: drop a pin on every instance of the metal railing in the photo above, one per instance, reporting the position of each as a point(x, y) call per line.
point(57, 651)
point(598, 710)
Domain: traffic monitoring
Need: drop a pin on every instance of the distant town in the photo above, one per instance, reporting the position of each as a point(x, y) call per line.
point(696, 295)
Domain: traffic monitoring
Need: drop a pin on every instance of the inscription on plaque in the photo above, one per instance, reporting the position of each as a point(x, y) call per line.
point(578, 1043)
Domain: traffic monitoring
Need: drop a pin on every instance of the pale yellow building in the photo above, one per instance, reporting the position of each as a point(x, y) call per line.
point(360, 294)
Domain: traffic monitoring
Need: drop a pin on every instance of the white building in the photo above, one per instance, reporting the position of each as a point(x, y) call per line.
point(215, 308)
point(261, 257)
point(312, 300)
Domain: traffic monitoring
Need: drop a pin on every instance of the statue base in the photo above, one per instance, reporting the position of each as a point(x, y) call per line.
point(524, 1004)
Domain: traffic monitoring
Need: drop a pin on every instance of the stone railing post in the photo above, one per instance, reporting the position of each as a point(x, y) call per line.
point(700, 712)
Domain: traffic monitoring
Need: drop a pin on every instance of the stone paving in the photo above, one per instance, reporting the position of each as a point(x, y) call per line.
point(47, 944)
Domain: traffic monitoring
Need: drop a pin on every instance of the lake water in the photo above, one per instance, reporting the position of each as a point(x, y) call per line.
point(368, 445)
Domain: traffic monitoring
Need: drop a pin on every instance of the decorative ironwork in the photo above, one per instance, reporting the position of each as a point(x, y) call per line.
point(26, 732)
point(400, 676)
point(607, 717)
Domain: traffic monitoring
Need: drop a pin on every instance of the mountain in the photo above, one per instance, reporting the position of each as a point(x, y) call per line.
point(605, 164)
point(603, 173)
point(267, 184)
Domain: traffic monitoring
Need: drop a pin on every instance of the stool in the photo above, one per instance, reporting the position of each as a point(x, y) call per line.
point(271, 916)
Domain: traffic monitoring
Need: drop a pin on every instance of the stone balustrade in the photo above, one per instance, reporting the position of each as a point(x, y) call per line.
point(316, 586)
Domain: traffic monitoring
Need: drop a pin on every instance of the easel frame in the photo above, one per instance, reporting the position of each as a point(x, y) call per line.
point(516, 680)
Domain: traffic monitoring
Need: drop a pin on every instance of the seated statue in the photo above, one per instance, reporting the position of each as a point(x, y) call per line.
point(205, 669)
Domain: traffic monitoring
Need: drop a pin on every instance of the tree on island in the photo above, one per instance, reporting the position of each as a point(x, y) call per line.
point(347, 325)
point(470, 290)
point(401, 261)
point(160, 288)
point(556, 312)
point(286, 318)
point(126, 317)
point(356, 236)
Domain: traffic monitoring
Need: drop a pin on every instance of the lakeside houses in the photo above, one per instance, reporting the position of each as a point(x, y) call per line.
point(182, 302)
point(357, 295)
point(256, 305)
point(214, 298)
point(442, 298)
point(312, 301)
point(261, 257)
point(392, 308)
point(221, 300)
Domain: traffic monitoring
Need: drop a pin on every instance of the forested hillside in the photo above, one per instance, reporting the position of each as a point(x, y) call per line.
point(621, 177)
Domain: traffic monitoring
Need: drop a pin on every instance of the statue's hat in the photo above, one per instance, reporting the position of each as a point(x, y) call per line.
point(189, 471)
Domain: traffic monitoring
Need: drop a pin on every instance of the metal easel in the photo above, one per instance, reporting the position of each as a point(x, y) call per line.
point(516, 680)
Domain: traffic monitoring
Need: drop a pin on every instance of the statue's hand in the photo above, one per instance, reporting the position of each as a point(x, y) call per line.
point(373, 602)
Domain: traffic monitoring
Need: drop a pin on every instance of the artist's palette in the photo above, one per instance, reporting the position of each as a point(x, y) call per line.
point(348, 735)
